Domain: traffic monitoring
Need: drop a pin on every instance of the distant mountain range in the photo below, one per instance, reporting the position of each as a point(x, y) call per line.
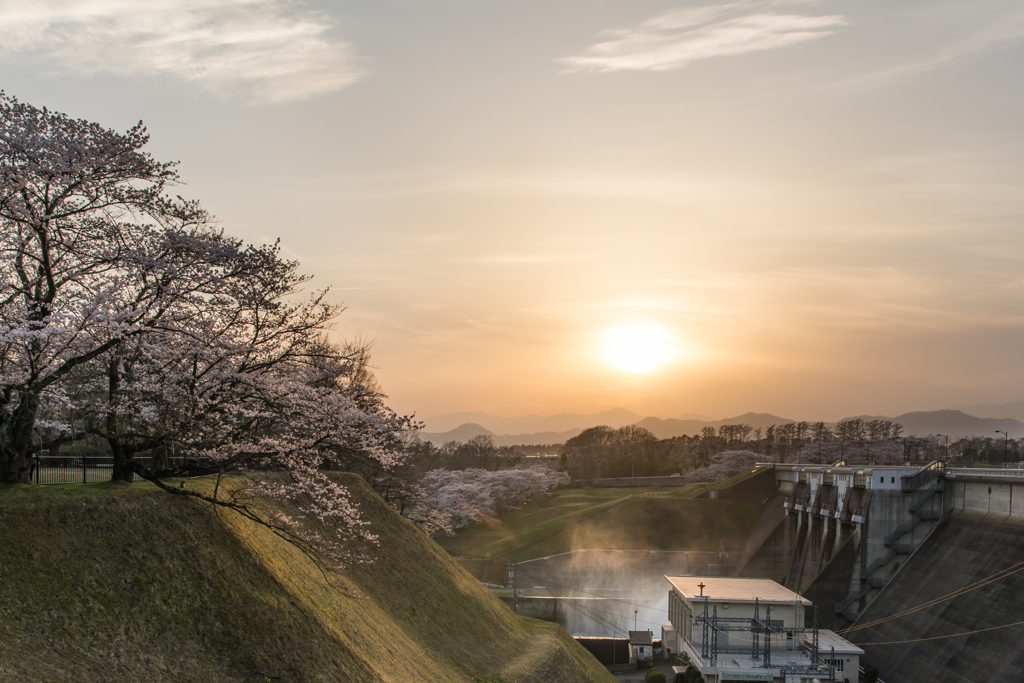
point(1014, 410)
point(464, 433)
point(955, 423)
point(502, 430)
point(616, 417)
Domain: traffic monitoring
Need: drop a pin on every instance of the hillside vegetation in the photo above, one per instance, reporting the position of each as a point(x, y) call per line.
point(106, 582)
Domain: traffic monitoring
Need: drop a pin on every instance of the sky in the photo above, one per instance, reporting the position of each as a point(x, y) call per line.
point(807, 208)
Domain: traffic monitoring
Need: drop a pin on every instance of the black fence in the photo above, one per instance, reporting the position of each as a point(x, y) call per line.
point(75, 469)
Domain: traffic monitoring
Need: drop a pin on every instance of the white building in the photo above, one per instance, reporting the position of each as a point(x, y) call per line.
point(641, 649)
point(734, 629)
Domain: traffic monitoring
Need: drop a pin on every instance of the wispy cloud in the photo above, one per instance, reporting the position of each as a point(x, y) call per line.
point(272, 50)
point(673, 40)
point(1004, 30)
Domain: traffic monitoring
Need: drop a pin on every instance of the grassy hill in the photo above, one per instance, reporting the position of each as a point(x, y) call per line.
point(111, 583)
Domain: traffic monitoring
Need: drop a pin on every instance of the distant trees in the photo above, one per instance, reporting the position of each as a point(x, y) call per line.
point(607, 452)
point(480, 452)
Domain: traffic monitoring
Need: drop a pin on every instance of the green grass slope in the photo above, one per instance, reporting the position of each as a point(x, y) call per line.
point(114, 583)
point(537, 519)
point(614, 518)
point(654, 524)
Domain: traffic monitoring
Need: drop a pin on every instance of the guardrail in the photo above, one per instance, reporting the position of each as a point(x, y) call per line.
point(923, 476)
point(985, 472)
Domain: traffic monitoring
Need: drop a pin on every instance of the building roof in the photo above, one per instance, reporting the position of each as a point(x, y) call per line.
point(643, 638)
point(722, 589)
point(830, 639)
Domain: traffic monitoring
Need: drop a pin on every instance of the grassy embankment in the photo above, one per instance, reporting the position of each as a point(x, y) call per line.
point(650, 518)
point(111, 583)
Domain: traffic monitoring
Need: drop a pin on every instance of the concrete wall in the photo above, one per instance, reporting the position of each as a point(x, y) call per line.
point(827, 559)
point(547, 609)
point(1005, 498)
point(968, 548)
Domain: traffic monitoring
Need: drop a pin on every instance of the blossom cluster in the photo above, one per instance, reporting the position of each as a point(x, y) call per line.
point(454, 499)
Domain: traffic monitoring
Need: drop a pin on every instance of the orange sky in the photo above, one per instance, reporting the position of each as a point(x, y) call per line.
point(818, 204)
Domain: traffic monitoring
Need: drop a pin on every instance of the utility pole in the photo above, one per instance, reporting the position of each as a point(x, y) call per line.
point(947, 444)
point(515, 585)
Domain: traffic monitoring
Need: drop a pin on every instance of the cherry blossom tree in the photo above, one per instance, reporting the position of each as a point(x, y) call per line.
point(454, 499)
point(726, 464)
point(127, 317)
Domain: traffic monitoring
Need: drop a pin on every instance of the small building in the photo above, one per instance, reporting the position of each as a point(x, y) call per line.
point(841, 653)
point(738, 629)
point(641, 648)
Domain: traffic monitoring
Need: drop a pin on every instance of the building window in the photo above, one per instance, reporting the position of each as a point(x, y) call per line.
point(836, 663)
point(893, 480)
point(881, 480)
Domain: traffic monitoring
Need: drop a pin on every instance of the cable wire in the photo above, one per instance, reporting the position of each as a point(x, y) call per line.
point(951, 635)
point(998, 576)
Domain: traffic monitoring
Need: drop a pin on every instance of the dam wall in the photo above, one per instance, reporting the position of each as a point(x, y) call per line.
point(838, 534)
point(957, 595)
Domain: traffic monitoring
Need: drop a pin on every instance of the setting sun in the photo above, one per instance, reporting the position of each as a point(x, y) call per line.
point(638, 349)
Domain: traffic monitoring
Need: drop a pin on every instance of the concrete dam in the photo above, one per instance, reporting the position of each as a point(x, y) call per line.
point(923, 565)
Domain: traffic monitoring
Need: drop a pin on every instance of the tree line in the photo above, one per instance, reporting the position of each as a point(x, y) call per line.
point(631, 451)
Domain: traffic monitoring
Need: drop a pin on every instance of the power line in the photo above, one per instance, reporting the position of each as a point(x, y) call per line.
point(583, 609)
point(951, 635)
point(999, 575)
point(591, 612)
point(581, 590)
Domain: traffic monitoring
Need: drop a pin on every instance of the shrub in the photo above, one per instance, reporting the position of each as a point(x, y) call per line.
point(654, 676)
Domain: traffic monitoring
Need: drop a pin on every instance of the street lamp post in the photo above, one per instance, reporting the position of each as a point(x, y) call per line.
point(947, 444)
point(1006, 442)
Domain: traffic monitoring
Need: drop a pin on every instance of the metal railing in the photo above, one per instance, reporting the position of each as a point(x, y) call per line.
point(922, 499)
point(923, 476)
point(902, 529)
point(984, 472)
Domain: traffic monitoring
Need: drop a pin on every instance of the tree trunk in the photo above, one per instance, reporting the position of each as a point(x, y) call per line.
point(16, 451)
point(123, 457)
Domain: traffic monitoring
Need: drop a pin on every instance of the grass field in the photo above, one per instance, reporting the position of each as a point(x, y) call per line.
point(108, 582)
point(535, 520)
point(649, 518)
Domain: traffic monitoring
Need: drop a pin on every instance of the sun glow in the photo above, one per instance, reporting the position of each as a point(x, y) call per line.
point(638, 349)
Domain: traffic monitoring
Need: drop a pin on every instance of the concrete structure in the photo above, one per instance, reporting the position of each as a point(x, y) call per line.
point(837, 534)
point(953, 612)
point(738, 629)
